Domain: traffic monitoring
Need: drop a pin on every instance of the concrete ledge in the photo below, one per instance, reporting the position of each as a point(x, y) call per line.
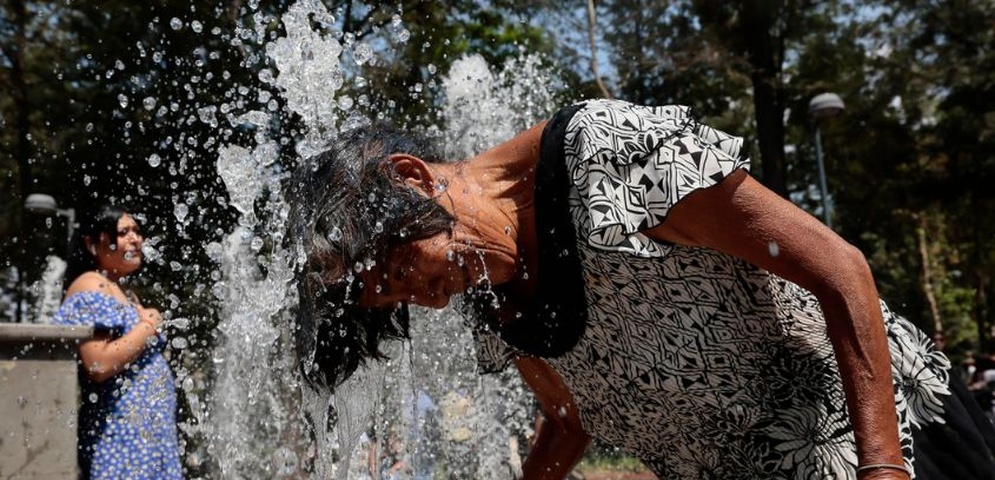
point(39, 398)
point(31, 332)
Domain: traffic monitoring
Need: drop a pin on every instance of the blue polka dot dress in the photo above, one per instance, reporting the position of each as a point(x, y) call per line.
point(127, 424)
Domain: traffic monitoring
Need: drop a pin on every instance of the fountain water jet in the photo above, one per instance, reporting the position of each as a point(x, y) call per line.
point(259, 421)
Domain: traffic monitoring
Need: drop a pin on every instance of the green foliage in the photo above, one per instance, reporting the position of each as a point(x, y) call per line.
point(915, 138)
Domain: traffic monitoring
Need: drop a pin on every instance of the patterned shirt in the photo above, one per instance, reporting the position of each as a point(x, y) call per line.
point(701, 364)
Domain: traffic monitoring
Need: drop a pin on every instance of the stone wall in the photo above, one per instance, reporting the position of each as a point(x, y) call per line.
point(39, 395)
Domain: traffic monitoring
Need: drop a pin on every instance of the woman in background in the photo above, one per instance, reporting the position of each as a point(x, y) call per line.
point(127, 420)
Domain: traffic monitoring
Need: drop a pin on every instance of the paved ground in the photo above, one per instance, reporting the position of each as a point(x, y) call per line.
point(612, 475)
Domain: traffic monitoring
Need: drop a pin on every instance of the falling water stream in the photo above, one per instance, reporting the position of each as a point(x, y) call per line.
point(258, 420)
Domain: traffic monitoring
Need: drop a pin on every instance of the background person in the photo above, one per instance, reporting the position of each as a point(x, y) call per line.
point(127, 420)
point(656, 296)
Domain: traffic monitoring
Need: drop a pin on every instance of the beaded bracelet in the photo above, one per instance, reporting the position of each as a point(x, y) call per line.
point(892, 466)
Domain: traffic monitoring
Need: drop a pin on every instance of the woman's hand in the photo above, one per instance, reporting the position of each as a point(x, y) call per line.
point(151, 316)
point(104, 356)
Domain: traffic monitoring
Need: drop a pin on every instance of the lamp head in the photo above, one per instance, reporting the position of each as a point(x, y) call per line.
point(41, 203)
point(825, 105)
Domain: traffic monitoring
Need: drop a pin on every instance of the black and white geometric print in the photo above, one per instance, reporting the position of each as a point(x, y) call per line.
point(698, 363)
point(633, 163)
point(703, 365)
point(706, 367)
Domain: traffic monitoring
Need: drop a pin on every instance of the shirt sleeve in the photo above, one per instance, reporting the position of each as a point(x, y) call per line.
point(96, 310)
point(631, 164)
point(493, 354)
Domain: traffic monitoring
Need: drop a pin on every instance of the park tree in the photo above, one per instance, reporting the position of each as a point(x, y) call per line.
point(34, 128)
point(947, 54)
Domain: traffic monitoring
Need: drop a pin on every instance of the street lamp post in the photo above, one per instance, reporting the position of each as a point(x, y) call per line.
point(42, 204)
point(824, 105)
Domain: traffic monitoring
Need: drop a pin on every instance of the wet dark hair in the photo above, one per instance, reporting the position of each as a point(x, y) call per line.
point(101, 220)
point(349, 209)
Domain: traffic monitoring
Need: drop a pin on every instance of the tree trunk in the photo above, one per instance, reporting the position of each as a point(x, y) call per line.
point(22, 146)
point(927, 271)
point(591, 29)
point(758, 24)
point(981, 313)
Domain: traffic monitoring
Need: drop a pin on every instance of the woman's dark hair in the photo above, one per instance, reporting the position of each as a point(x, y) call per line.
point(101, 220)
point(349, 208)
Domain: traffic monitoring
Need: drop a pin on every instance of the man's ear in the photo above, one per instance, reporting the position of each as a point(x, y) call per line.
point(414, 172)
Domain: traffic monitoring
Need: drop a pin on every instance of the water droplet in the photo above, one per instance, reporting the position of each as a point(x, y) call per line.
point(176, 23)
point(335, 235)
point(122, 99)
point(93, 398)
point(266, 76)
point(285, 461)
point(362, 53)
point(180, 211)
point(154, 160)
point(149, 103)
point(774, 249)
point(196, 26)
point(345, 102)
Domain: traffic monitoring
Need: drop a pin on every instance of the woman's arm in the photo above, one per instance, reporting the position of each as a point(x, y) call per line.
point(104, 356)
point(560, 440)
point(742, 218)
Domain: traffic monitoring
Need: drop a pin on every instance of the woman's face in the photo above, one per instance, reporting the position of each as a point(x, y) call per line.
point(425, 272)
point(124, 256)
